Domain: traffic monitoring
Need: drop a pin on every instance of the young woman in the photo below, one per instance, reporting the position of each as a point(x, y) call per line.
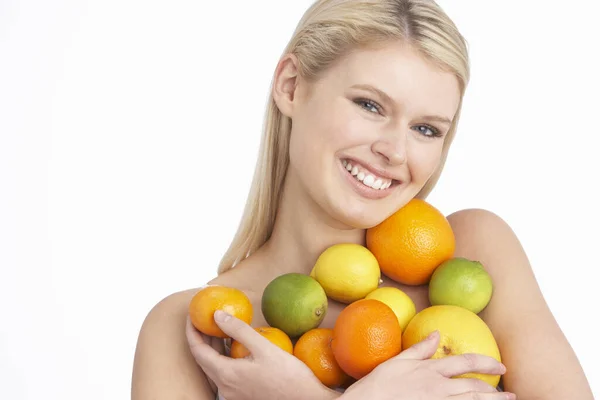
point(378, 84)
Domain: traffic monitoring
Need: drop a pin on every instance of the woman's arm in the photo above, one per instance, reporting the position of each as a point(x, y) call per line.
point(164, 368)
point(272, 373)
point(269, 372)
point(541, 365)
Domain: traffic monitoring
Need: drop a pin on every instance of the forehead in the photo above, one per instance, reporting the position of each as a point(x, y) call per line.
point(414, 82)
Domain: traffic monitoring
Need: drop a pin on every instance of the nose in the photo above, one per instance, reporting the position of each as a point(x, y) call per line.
point(393, 151)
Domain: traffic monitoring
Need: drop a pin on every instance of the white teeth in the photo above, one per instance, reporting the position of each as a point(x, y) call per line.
point(366, 178)
point(369, 180)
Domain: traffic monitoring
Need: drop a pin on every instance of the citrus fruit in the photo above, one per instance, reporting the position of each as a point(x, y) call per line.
point(461, 282)
point(274, 335)
point(412, 242)
point(314, 349)
point(294, 303)
point(365, 334)
point(212, 298)
point(461, 331)
point(400, 303)
point(347, 272)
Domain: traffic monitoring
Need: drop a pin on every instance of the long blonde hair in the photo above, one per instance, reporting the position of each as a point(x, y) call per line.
point(329, 30)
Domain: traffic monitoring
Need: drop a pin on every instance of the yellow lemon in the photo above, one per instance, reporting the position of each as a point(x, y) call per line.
point(347, 272)
point(400, 303)
point(461, 331)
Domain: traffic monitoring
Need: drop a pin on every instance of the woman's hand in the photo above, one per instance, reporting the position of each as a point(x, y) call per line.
point(269, 373)
point(414, 375)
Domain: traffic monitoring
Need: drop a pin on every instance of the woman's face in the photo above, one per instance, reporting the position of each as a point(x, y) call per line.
point(368, 134)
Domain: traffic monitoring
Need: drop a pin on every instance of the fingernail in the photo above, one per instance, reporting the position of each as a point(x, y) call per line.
point(511, 396)
point(222, 316)
point(503, 368)
point(432, 335)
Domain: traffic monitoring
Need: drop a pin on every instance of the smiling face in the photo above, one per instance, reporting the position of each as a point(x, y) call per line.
point(368, 134)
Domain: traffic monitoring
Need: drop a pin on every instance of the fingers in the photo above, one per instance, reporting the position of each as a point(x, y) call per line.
point(465, 385)
point(484, 396)
point(256, 344)
point(461, 364)
point(422, 350)
point(200, 347)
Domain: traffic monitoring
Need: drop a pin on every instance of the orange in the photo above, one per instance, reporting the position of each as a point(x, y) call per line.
point(366, 333)
point(274, 335)
point(212, 298)
point(412, 242)
point(314, 349)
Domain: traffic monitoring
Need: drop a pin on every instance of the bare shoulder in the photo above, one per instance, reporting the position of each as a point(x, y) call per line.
point(163, 365)
point(473, 222)
point(484, 236)
point(518, 314)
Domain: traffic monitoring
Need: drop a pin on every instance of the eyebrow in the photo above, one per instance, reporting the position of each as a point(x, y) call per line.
point(386, 98)
point(436, 118)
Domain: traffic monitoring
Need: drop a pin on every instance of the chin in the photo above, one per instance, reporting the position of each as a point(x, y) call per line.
point(360, 216)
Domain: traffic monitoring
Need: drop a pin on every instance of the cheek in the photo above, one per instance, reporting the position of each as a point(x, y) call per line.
point(344, 129)
point(328, 128)
point(299, 150)
point(423, 162)
point(305, 138)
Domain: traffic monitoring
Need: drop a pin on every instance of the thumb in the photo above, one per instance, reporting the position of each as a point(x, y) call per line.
point(423, 350)
point(242, 332)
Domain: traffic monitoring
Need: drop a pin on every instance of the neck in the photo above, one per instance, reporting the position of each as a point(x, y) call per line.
point(302, 232)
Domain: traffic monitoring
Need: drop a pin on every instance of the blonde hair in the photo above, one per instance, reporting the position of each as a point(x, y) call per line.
point(329, 30)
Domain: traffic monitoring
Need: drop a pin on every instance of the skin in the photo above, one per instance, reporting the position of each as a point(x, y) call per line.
point(333, 121)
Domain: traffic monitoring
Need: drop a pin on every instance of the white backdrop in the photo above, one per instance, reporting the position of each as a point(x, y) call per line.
point(128, 135)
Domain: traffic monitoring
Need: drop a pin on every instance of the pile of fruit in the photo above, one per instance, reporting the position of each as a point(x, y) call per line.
point(413, 247)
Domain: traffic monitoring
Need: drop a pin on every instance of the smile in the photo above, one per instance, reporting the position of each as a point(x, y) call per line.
point(367, 178)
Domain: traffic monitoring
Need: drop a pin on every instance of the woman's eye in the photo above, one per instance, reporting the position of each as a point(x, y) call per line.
point(369, 105)
point(427, 131)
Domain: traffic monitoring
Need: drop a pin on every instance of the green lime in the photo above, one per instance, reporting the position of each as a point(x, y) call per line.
point(461, 282)
point(294, 303)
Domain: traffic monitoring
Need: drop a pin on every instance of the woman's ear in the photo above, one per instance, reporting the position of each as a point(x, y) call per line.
point(285, 84)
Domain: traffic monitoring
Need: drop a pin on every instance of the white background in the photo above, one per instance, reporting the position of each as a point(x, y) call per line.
point(128, 136)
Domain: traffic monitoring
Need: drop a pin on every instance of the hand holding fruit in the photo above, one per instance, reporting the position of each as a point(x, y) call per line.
point(414, 375)
point(378, 327)
point(268, 372)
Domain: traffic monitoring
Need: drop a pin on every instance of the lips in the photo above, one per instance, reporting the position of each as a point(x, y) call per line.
point(365, 182)
point(366, 177)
